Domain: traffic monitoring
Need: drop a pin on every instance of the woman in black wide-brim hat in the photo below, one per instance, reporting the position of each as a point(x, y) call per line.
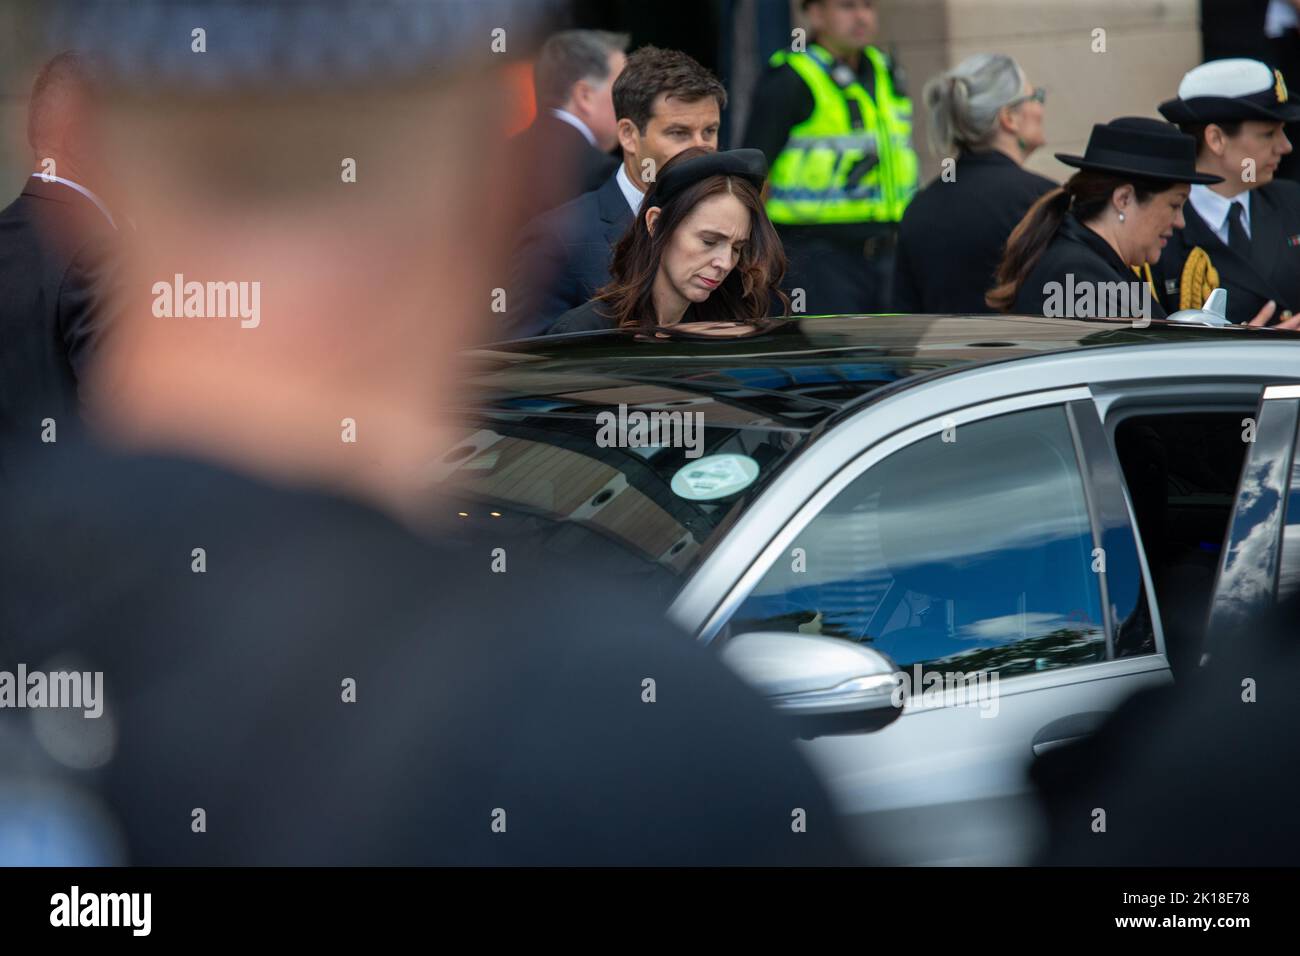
point(1082, 250)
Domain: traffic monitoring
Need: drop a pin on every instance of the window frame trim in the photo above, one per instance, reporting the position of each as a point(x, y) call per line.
point(1097, 454)
point(1093, 506)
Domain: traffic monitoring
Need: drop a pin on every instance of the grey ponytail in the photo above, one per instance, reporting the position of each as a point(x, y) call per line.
point(964, 102)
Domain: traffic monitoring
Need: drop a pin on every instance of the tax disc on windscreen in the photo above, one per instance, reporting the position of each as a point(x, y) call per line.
point(714, 476)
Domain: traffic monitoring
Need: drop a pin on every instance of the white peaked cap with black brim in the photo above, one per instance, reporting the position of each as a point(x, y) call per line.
point(1231, 90)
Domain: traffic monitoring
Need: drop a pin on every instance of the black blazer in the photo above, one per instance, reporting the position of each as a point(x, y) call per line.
point(588, 317)
point(953, 233)
point(1077, 259)
point(592, 317)
point(563, 257)
point(1272, 271)
point(558, 164)
point(55, 248)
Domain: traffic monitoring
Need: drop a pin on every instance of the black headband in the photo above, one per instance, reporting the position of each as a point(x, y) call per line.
point(748, 164)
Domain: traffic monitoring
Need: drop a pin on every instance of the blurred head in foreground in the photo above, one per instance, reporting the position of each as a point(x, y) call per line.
point(62, 127)
point(235, 616)
point(313, 241)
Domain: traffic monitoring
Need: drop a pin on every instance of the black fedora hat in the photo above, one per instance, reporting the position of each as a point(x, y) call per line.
point(748, 164)
point(1138, 146)
point(1229, 90)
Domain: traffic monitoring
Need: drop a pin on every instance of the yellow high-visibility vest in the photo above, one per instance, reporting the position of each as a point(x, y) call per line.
point(810, 182)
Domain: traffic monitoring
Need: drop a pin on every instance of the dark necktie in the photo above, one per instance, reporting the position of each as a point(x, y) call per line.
point(1238, 241)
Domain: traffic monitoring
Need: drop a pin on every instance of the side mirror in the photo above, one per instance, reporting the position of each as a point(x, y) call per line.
point(825, 685)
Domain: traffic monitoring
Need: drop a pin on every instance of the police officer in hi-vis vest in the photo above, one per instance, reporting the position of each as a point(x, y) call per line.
point(1242, 234)
point(835, 124)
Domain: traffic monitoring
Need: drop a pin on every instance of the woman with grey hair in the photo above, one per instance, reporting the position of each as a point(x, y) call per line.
point(984, 122)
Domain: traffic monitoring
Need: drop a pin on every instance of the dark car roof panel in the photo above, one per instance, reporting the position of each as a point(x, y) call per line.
point(793, 377)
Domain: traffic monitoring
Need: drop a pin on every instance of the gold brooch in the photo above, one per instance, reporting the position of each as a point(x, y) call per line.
point(1280, 86)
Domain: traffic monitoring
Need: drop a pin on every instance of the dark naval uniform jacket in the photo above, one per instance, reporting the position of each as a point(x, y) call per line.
point(1271, 271)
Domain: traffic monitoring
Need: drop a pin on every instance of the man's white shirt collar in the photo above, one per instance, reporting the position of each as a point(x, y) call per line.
point(630, 192)
point(99, 203)
point(576, 123)
point(1213, 208)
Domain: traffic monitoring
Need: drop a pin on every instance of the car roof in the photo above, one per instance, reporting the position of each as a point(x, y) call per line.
point(794, 376)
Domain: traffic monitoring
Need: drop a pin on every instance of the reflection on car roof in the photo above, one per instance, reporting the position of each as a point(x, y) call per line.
point(795, 376)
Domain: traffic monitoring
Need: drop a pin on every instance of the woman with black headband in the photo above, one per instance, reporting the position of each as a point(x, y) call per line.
point(702, 251)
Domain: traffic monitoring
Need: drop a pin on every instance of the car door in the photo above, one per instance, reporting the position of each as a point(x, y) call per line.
point(990, 554)
point(1260, 562)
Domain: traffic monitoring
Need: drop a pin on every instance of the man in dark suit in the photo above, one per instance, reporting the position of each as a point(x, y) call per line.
point(665, 101)
point(1242, 234)
point(55, 240)
point(566, 151)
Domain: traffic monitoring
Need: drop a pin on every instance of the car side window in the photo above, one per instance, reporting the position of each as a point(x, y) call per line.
point(967, 550)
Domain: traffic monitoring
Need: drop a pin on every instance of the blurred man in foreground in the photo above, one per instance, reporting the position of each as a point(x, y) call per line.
point(307, 658)
point(56, 240)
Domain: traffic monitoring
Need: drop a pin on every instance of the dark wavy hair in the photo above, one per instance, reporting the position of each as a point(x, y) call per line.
point(744, 296)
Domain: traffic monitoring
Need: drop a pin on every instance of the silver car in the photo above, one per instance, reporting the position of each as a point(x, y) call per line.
point(942, 545)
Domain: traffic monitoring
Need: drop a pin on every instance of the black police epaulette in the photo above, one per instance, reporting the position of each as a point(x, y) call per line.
point(897, 75)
